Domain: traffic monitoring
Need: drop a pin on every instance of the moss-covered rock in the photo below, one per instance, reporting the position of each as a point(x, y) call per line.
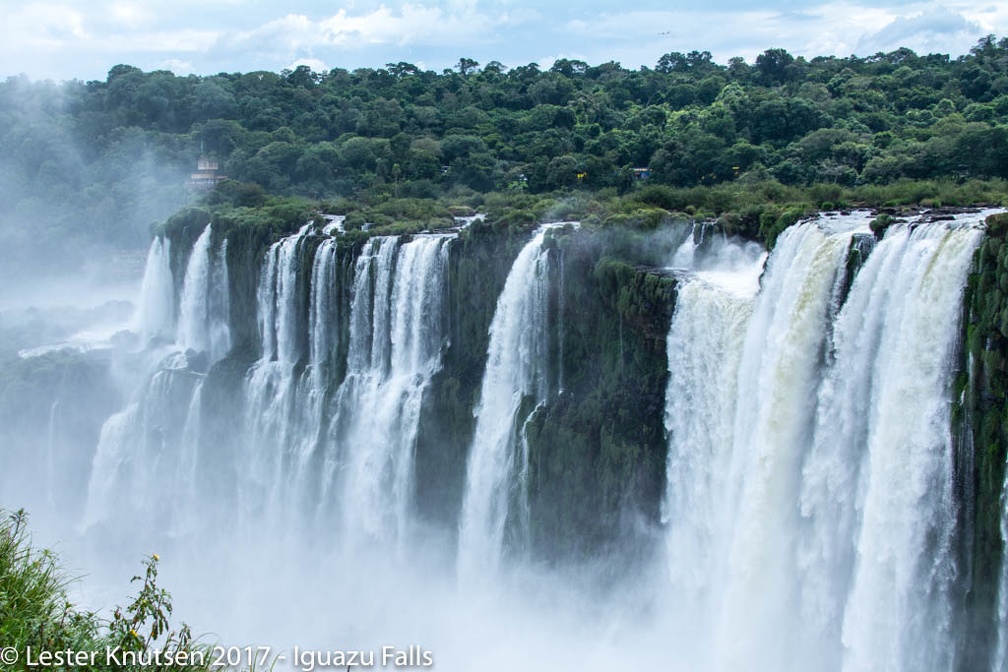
point(980, 415)
point(597, 450)
point(478, 265)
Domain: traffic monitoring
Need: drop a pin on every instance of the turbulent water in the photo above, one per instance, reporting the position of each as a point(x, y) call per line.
point(156, 307)
point(808, 521)
point(999, 662)
point(395, 349)
point(204, 308)
point(809, 508)
point(516, 370)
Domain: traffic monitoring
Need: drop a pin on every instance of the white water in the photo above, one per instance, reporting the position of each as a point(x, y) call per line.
point(147, 441)
point(155, 315)
point(899, 613)
point(813, 530)
point(204, 306)
point(193, 315)
point(319, 450)
point(395, 350)
point(1000, 662)
point(277, 452)
point(140, 449)
point(516, 369)
point(717, 290)
point(808, 513)
point(777, 379)
point(324, 314)
point(704, 347)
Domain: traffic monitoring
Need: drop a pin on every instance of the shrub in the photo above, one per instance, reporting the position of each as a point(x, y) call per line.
point(35, 611)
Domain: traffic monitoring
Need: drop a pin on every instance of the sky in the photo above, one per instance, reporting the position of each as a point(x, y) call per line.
point(84, 39)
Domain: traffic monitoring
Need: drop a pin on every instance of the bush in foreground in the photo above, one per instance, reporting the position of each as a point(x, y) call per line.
point(36, 613)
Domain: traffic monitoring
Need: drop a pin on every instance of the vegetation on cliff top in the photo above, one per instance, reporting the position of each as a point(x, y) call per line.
point(825, 131)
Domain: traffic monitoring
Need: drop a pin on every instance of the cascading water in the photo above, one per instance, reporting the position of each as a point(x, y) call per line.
point(825, 541)
point(185, 493)
point(898, 615)
point(278, 446)
point(155, 316)
point(516, 370)
point(193, 315)
point(704, 348)
point(398, 325)
point(141, 444)
point(204, 306)
point(1000, 657)
point(808, 516)
point(781, 354)
point(324, 315)
point(353, 438)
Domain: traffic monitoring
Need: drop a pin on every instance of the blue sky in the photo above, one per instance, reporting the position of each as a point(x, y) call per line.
point(83, 39)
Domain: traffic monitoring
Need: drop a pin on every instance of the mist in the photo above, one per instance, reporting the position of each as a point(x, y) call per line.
point(80, 190)
point(77, 207)
point(629, 442)
point(116, 418)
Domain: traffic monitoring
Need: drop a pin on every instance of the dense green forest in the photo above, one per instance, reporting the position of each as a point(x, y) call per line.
point(100, 161)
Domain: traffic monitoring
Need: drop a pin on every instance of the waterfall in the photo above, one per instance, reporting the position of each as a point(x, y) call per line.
point(704, 347)
point(140, 446)
point(276, 451)
point(781, 353)
point(141, 441)
point(899, 613)
point(51, 434)
point(1000, 662)
point(809, 518)
point(110, 457)
point(323, 314)
point(320, 443)
point(809, 507)
point(516, 372)
point(185, 493)
point(219, 305)
point(398, 318)
point(204, 305)
point(193, 319)
point(155, 314)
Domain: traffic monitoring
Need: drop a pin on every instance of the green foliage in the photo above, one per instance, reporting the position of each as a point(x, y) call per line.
point(597, 448)
point(880, 223)
point(478, 265)
point(35, 611)
point(121, 149)
point(980, 412)
point(997, 225)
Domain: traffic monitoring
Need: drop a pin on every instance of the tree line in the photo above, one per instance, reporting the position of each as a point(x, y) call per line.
point(118, 151)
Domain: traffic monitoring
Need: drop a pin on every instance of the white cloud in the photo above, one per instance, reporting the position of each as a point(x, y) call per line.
point(58, 40)
point(39, 25)
point(130, 14)
point(383, 32)
point(315, 64)
point(411, 24)
point(177, 66)
point(933, 29)
point(83, 38)
point(840, 28)
point(184, 41)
